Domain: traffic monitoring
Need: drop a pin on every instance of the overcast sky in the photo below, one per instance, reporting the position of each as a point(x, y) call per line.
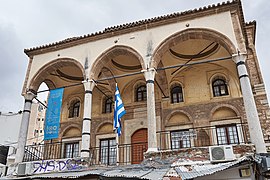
point(30, 23)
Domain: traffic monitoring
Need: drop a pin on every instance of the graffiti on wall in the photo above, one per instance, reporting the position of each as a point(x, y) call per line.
point(47, 166)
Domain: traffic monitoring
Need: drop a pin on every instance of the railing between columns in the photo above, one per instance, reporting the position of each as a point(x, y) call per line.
point(134, 153)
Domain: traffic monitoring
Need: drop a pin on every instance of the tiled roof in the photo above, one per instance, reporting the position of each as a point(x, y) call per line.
point(109, 30)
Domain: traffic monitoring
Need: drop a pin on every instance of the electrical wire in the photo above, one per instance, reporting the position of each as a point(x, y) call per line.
point(125, 75)
point(10, 114)
point(137, 73)
point(16, 142)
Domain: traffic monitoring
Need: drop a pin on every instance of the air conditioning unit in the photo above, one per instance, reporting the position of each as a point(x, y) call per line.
point(221, 153)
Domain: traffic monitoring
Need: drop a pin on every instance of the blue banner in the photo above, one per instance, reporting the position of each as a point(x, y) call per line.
point(52, 120)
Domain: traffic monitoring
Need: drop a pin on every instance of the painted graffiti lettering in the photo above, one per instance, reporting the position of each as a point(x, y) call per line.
point(56, 166)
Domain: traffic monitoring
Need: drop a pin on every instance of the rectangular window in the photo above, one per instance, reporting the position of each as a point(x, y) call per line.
point(227, 134)
point(108, 151)
point(216, 91)
point(175, 99)
point(71, 150)
point(108, 108)
point(180, 139)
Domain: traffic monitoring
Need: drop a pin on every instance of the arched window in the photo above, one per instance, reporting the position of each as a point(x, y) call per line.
point(177, 94)
point(219, 87)
point(107, 105)
point(74, 109)
point(141, 93)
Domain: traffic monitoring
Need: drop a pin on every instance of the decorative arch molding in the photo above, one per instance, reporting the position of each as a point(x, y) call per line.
point(139, 82)
point(216, 108)
point(49, 84)
point(66, 129)
point(109, 54)
point(67, 105)
point(217, 75)
point(73, 98)
point(128, 90)
point(192, 33)
point(53, 65)
point(101, 125)
point(175, 112)
point(175, 82)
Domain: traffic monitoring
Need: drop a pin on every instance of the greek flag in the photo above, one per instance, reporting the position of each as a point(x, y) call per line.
point(119, 111)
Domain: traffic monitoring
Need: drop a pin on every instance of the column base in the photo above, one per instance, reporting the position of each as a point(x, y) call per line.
point(151, 150)
point(85, 154)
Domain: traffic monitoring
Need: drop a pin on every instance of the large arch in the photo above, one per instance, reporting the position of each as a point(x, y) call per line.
point(53, 65)
point(192, 33)
point(108, 54)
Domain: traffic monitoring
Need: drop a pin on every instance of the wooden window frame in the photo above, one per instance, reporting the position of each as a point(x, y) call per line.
point(181, 144)
point(107, 107)
point(178, 91)
point(141, 92)
point(73, 155)
point(227, 136)
point(109, 154)
point(74, 110)
point(218, 88)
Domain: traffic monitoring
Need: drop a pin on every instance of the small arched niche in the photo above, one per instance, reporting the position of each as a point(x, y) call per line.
point(106, 128)
point(178, 119)
point(72, 132)
point(224, 112)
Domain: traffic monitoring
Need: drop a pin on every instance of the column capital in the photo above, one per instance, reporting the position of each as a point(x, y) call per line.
point(240, 57)
point(149, 74)
point(89, 84)
point(29, 95)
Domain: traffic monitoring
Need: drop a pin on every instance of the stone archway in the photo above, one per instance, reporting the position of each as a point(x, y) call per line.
point(189, 34)
point(111, 53)
point(45, 71)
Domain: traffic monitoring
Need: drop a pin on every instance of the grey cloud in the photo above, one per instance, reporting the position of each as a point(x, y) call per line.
point(12, 69)
point(33, 23)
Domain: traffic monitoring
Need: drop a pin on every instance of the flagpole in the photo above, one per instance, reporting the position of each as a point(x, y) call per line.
point(117, 150)
point(119, 111)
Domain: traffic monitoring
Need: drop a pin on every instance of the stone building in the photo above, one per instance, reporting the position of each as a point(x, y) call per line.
point(188, 81)
point(36, 124)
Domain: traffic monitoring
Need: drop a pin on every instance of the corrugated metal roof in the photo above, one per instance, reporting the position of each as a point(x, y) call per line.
point(198, 170)
point(139, 172)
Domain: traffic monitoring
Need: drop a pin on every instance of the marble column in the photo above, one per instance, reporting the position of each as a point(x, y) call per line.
point(254, 125)
point(29, 96)
point(86, 127)
point(149, 75)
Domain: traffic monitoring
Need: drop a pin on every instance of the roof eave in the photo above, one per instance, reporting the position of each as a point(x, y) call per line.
point(139, 25)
